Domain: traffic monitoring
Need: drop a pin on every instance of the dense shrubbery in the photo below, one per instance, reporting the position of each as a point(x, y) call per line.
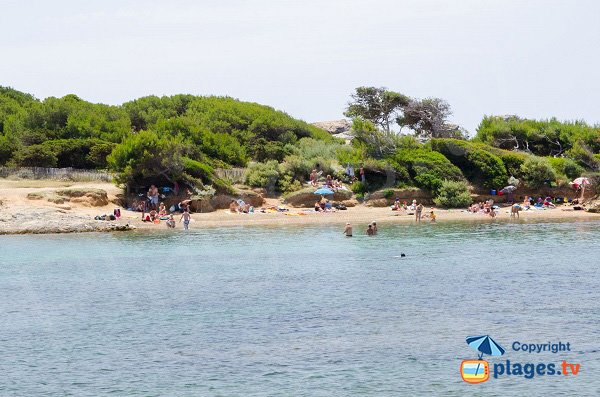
point(453, 194)
point(539, 137)
point(426, 168)
point(566, 167)
point(537, 172)
point(184, 137)
point(153, 136)
point(263, 174)
point(477, 163)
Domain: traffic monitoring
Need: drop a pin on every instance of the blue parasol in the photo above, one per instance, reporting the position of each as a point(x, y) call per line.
point(324, 191)
point(485, 345)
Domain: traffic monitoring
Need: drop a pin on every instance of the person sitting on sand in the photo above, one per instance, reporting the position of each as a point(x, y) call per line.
point(234, 207)
point(186, 217)
point(348, 230)
point(413, 206)
point(162, 210)
point(370, 231)
point(171, 222)
point(153, 215)
point(396, 205)
point(328, 206)
point(183, 205)
point(548, 202)
point(318, 206)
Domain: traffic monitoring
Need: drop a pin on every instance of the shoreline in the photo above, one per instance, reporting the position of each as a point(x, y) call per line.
point(20, 214)
point(359, 217)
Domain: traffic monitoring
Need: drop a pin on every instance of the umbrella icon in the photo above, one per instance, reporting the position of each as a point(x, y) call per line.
point(324, 191)
point(485, 345)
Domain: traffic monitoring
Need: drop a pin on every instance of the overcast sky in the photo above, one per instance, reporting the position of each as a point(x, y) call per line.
point(534, 58)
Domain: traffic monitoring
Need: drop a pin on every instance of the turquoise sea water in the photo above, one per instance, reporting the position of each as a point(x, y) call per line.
point(297, 311)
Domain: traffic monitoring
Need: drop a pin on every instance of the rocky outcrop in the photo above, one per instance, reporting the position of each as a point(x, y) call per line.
point(86, 197)
point(222, 201)
point(386, 197)
point(335, 126)
point(306, 198)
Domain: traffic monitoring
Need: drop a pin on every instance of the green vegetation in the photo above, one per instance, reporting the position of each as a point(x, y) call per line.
point(537, 172)
point(159, 139)
point(453, 194)
point(399, 141)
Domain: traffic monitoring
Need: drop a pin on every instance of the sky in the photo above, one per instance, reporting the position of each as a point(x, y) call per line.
point(533, 58)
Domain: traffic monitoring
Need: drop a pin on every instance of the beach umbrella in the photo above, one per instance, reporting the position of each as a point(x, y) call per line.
point(509, 189)
point(485, 345)
point(324, 191)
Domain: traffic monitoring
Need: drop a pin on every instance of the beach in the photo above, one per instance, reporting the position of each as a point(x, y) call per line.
point(22, 214)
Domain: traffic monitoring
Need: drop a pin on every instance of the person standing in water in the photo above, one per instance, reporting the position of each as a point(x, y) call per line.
point(370, 231)
point(348, 230)
point(432, 216)
point(186, 217)
point(418, 212)
point(374, 224)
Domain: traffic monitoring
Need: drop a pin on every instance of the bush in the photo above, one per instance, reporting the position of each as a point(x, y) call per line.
point(359, 188)
point(388, 193)
point(263, 174)
point(36, 156)
point(567, 167)
point(512, 161)
point(428, 169)
point(474, 159)
point(537, 171)
point(288, 184)
point(453, 194)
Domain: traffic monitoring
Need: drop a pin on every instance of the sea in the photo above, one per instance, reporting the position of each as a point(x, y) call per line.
point(301, 311)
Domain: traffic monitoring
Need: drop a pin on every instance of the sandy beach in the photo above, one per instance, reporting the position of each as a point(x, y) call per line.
point(19, 213)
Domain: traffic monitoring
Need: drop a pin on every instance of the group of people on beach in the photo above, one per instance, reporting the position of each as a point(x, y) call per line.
point(330, 182)
point(324, 205)
point(414, 208)
point(484, 207)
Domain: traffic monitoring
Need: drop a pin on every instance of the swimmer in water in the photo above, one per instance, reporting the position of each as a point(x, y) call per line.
point(348, 230)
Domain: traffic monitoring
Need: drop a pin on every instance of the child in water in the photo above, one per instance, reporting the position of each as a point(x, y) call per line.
point(186, 219)
point(432, 217)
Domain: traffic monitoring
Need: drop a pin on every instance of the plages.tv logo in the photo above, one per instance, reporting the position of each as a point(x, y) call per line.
point(478, 371)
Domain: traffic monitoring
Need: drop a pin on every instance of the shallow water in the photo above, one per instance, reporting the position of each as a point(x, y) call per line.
point(297, 311)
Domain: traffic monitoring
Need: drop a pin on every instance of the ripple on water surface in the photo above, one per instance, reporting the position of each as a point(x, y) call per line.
point(295, 311)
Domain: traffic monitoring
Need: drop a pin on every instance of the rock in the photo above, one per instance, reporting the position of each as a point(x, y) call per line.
point(35, 196)
point(377, 203)
point(334, 126)
point(350, 203)
point(89, 197)
point(306, 198)
point(379, 199)
point(222, 201)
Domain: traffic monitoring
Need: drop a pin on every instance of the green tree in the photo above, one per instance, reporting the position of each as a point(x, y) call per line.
point(377, 105)
point(146, 156)
point(428, 118)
